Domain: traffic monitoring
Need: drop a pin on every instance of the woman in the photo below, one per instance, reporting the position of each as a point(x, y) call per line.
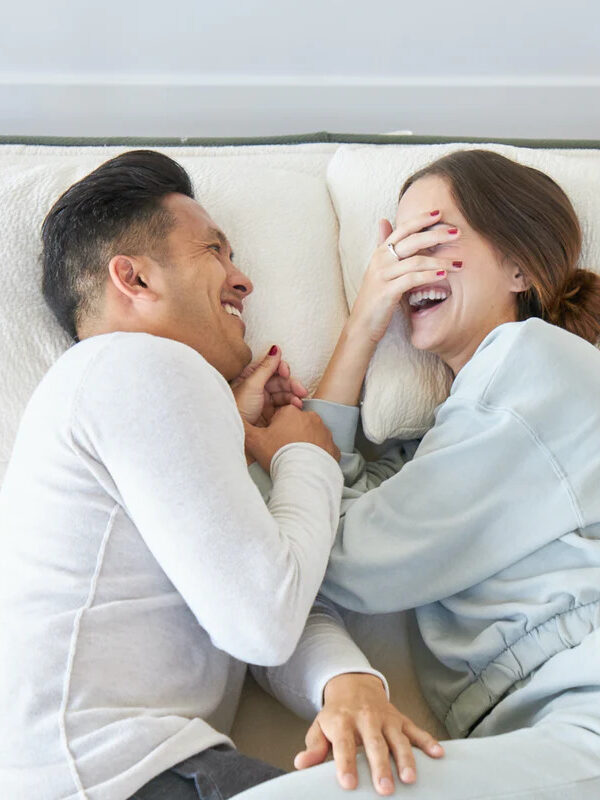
point(492, 531)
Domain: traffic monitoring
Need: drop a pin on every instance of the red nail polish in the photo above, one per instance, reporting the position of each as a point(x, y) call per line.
point(452, 230)
point(273, 350)
point(457, 263)
point(434, 213)
point(441, 273)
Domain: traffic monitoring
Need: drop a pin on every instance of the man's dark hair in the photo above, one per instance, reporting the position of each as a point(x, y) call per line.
point(116, 209)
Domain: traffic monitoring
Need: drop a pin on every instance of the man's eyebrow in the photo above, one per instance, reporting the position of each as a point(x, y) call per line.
point(217, 234)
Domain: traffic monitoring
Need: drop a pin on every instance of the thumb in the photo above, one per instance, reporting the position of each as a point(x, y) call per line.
point(385, 228)
point(317, 747)
point(265, 369)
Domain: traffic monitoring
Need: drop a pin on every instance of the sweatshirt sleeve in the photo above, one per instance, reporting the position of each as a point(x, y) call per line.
point(159, 428)
point(360, 476)
point(481, 493)
point(324, 651)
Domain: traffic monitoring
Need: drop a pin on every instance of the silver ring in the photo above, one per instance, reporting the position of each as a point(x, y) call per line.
point(390, 247)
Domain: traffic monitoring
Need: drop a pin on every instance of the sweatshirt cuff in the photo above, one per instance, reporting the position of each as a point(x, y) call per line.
point(341, 420)
point(261, 479)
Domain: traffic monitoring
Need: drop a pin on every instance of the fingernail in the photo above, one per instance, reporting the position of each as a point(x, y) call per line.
point(408, 775)
point(441, 273)
point(436, 749)
point(434, 213)
point(349, 780)
point(452, 230)
point(273, 350)
point(457, 263)
point(386, 785)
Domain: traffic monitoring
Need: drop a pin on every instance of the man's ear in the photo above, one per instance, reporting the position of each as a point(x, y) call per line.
point(130, 276)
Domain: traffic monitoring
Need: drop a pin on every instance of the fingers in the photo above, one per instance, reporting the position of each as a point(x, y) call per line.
point(385, 229)
point(343, 746)
point(423, 240)
point(378, 756)
point(402, 753)
point(404, 283)
point(431, 268)
point(423, 740)
point(317, 748)
point(285, 398)
point(284, 369)
point(298, 388)
point(283, 390)
point(265, 369)
point(414, 225)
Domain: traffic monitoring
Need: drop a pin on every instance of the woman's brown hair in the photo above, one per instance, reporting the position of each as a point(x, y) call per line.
point(530, 221)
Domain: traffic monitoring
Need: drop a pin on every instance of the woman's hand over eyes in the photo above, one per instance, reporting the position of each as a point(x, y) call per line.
point(357, 712)
point(400, 263)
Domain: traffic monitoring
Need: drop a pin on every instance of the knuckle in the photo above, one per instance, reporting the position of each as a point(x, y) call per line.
point(375, 741)
point(344, 743)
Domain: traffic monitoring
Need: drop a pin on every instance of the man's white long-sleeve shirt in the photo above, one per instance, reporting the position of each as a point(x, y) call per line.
point(140, 568)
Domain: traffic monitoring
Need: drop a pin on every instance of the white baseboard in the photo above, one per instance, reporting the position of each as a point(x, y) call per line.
point(537, 107)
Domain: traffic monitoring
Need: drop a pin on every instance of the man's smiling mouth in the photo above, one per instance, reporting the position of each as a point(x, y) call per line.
point(235, 312)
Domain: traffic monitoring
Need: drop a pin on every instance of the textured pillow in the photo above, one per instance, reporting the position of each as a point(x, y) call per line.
point(403, 385)
point(271, 201)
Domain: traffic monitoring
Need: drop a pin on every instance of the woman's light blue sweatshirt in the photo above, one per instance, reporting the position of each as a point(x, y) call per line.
point(492, 530)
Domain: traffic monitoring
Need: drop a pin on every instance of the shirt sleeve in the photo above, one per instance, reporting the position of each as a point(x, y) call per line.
point(324, 651)
point(481, 493)
point(159, 428)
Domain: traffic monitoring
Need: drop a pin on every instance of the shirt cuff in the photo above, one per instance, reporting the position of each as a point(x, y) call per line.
point(341, 420)
point(355, 669)
point(261, 479)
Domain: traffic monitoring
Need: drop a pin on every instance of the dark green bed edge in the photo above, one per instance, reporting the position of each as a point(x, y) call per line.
point(302, 138)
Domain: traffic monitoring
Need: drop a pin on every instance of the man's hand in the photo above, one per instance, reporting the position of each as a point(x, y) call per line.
point(264, 386)
point(357, 712)
point(288, 425)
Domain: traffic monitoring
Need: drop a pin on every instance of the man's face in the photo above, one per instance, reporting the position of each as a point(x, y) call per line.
point(201, 290)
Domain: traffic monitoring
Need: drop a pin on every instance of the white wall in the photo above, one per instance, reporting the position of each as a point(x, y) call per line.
point(254, 67)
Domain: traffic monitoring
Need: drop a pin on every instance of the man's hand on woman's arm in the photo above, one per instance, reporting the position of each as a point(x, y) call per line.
point(357, 712)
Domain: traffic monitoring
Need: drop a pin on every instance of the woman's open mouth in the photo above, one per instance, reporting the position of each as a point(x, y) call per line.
point(425, 299)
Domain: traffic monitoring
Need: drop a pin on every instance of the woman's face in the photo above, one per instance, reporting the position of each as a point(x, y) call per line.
point(482, 295)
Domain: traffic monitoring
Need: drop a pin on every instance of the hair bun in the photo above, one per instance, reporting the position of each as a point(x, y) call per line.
point(577, 306)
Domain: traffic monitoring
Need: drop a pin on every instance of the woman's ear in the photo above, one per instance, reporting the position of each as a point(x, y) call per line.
point(517, 280)
point(520, 282)
point(130, 275)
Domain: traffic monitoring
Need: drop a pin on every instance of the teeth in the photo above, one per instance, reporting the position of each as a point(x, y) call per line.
point(232, 310)
point(419, 296)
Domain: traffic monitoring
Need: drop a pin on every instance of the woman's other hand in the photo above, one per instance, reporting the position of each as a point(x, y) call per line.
point(264, 386)
point(356, 712)
point(402, 261)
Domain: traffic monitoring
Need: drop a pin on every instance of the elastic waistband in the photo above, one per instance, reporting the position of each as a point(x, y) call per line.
point(518, 661)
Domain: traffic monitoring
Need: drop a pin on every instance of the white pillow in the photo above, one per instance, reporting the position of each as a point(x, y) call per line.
point(271, 201)
point(403, 385)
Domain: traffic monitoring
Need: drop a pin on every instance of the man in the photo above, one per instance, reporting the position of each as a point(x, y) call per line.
point(140, 566)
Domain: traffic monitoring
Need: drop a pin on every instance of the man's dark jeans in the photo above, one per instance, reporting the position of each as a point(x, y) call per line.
point(215, 774)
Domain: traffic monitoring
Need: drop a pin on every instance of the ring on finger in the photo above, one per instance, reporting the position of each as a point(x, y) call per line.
point(390, 247)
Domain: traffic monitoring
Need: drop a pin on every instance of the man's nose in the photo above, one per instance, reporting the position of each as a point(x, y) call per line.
point(237, 280)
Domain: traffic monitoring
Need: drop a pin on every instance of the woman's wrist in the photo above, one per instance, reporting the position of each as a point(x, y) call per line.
point(343, 378)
